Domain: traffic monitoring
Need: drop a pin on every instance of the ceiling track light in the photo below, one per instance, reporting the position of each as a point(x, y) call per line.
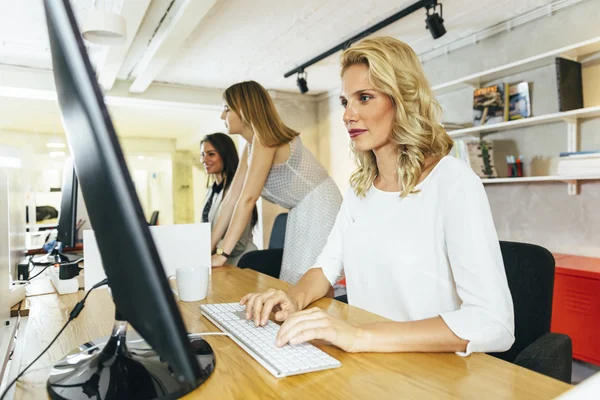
point(301, 82)
point(434, 21)
point(434, 24)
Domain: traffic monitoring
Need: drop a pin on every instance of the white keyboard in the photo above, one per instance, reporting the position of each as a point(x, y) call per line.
point(259, 342)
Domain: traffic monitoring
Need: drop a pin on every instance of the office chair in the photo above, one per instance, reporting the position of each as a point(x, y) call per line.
point(268, 261)
point(153, 219)
point(530, 273)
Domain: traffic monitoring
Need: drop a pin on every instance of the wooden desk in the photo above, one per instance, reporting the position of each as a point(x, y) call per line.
point(77, 249)
point(237, 375)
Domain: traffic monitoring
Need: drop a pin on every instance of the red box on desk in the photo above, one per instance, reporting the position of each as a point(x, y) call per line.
point(576, 304)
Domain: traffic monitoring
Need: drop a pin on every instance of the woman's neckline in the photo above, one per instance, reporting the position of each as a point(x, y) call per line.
point(419, 185)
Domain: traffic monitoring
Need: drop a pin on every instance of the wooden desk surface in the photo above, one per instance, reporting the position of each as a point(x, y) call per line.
point(237, 375)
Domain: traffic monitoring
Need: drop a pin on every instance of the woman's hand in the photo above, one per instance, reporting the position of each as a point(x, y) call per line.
point(315, 323)
point(260, 305)
point(217, 260)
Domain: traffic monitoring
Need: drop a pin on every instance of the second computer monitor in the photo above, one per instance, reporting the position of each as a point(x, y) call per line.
point(67, 219)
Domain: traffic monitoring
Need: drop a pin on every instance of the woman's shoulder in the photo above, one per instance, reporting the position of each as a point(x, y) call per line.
point(453, 171)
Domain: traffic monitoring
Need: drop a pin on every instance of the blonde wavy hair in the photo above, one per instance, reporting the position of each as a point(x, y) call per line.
point(395, 69)
point(253, 104)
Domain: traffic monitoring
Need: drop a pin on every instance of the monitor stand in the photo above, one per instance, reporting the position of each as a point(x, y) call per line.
point(54, 256)
point(121, 367)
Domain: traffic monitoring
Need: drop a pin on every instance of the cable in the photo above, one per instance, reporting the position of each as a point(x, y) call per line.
point(74, 314)
point(46, 265)
point(199, 335)
point(39, 273)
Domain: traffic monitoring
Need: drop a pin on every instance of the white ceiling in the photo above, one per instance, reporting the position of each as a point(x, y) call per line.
point(214, 47)
point(261, 39)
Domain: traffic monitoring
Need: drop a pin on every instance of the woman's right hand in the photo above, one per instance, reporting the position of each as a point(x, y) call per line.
point(260, 305)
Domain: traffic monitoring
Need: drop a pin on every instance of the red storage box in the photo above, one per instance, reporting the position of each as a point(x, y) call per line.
point(576, 304)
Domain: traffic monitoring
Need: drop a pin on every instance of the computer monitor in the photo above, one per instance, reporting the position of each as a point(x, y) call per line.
point(67, 218)
point(137, 280)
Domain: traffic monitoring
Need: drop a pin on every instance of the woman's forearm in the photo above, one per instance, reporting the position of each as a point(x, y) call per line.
point(311, 287)
point(222, 222)
point(427, 335)
point(241, 216)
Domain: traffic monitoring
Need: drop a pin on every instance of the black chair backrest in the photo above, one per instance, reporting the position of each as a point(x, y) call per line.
point(278, 233)
point(267, 262)
point(530, 274)
point(154, 218)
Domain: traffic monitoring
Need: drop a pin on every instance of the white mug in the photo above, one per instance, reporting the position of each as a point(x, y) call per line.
point(192, 283)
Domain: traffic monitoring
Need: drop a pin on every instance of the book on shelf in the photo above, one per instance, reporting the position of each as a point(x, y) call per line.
point(479, 154)
point(519, 103)
point(579, 163)
point(569, 84)
point(581, 154)
point(490, 104)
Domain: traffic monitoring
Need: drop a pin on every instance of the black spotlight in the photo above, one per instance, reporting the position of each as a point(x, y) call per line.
point(435, 22)
point(301, 82)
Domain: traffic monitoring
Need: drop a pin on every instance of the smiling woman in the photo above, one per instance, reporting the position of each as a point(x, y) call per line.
point(220, 160)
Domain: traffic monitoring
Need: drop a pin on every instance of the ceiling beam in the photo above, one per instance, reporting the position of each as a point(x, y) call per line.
point(168, 40)
point(133, 12)
point(37, 84)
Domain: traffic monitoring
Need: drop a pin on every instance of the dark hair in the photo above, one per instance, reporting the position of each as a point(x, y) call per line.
point(224, 145)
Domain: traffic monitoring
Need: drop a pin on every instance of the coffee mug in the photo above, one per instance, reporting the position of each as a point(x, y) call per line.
point(192, 283)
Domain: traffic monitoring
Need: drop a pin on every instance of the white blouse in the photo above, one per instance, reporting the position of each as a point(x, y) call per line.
point(431, 253)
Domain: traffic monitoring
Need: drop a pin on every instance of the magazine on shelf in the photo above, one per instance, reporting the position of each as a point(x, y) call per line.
point(519, 103)
point(490, 104)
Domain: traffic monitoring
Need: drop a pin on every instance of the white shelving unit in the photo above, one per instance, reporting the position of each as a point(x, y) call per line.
point(570, 117)
point(549, 178)
point(572, 181)
point(577, 52)
point(582, 52)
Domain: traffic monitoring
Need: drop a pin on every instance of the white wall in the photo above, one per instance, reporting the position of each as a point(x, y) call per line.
point(540, 213)
point(334, 142)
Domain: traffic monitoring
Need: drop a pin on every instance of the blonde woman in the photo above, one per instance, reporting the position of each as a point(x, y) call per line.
point(414, 235)
point(276, 165)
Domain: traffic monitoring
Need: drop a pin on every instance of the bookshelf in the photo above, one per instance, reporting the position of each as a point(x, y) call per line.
point(548, 178)
point(588, 50)
point(570, 117)
point(572, 181)
point(579, 52)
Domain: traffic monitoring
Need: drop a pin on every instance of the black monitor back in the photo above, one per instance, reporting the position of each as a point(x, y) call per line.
point(140, 289)
point(67, 219)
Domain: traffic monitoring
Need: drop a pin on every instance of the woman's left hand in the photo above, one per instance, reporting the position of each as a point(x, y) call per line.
point(217, 260)
point(315, 323)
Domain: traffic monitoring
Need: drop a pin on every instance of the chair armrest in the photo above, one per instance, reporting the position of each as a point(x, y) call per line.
point(551, 355)
point(343, 298)
point(267, 262)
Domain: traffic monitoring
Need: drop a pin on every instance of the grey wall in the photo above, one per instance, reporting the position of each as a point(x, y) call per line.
point(540, 213)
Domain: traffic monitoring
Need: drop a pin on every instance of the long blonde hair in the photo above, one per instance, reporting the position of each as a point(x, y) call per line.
point(395, 69)
point(253, 104)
